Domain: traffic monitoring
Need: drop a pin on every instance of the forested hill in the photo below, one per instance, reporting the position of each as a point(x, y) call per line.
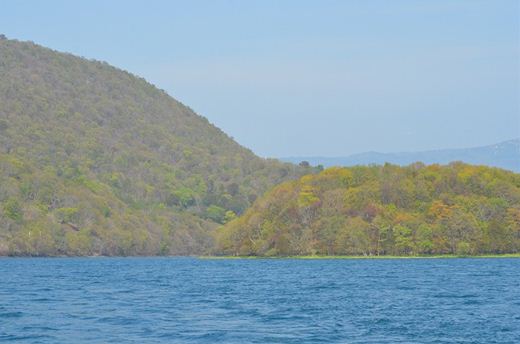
point(94, 160)
point(383, 210)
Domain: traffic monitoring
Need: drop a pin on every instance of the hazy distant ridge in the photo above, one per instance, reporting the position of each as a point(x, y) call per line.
point(504, 155)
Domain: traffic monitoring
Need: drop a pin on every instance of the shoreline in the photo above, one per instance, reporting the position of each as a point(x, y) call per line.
point(342, 257)
point(303, 257)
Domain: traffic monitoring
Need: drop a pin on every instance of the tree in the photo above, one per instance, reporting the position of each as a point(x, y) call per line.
point(403, 240)
point(216, 213)
point(353, 238)
point(13, 209)
point(461, 227)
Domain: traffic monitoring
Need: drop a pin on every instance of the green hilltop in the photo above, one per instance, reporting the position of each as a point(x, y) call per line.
point(388, 210)
point(97, 161)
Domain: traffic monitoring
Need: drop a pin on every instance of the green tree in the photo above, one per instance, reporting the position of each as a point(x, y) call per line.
point(13, 209)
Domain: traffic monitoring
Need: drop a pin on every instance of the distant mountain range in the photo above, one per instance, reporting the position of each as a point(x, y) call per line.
point(505, 155)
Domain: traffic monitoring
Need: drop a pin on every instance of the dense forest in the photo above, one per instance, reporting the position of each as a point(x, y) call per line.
point(94, 160)
point(97, 161)
point(383, 210)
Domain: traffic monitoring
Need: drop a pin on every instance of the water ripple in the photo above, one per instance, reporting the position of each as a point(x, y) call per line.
point(184, 300)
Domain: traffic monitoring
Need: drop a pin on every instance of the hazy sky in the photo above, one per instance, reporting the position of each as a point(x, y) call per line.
point(308, 77)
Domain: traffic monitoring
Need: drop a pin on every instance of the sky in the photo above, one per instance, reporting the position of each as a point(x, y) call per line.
point(307, 78)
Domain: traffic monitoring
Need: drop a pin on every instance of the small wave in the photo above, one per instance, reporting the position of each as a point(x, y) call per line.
point(11, 315)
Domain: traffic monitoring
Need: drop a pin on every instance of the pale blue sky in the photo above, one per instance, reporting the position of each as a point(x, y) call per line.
point(289, 78)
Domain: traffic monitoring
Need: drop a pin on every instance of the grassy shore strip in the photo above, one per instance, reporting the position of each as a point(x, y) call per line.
point(445, 256)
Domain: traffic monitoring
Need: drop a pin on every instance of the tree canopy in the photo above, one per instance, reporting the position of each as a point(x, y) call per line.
point(383, 210)
point(94, 160)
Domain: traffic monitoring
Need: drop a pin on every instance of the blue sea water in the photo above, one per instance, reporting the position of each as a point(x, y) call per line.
point(188, 300)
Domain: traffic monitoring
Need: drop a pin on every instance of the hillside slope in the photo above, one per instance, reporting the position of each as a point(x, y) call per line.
point(503, 155)
point(383, 210)
point(94, 160)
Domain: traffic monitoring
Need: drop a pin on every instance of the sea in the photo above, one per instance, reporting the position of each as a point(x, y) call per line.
point(193, 300)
